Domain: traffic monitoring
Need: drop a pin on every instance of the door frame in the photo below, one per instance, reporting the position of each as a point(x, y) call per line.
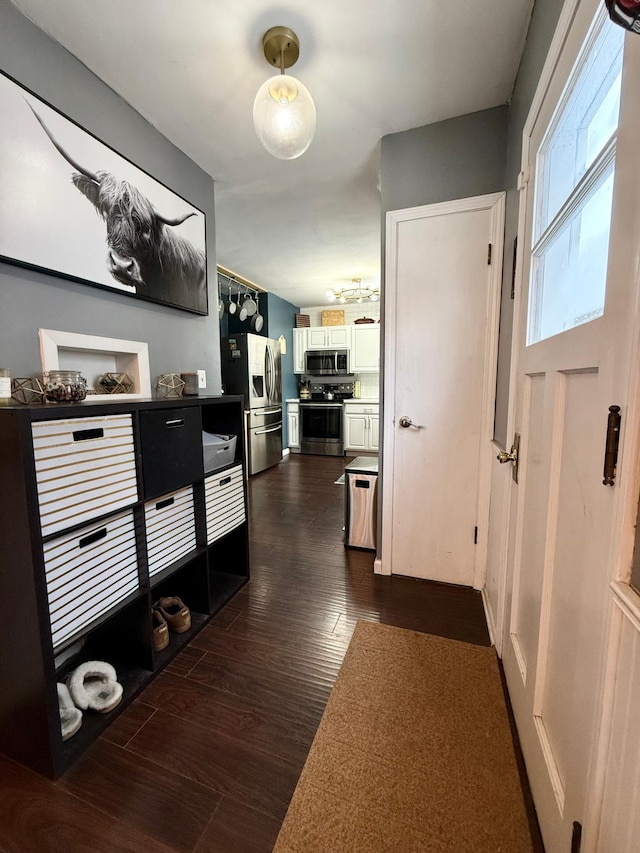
point(495, 202)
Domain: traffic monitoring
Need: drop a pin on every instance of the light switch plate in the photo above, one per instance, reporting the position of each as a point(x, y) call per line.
point(202, 379)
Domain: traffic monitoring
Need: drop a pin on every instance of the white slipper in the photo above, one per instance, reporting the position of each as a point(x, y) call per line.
point(70, 716)
point(94, 685)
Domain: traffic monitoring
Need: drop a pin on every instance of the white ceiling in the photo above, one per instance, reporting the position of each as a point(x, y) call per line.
point(373, 67)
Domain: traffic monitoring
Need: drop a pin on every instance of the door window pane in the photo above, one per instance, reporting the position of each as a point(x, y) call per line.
point(574, 191)
point(582, 126)
point(569, 273)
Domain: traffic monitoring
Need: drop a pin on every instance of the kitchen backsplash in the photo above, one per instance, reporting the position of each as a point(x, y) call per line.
point(352, 311)
point(369, 385)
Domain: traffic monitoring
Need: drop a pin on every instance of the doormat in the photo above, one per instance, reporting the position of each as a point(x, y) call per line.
point(339, 481)
point(413, 753)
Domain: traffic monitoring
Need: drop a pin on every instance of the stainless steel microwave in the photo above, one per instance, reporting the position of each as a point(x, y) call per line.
point(326, 362)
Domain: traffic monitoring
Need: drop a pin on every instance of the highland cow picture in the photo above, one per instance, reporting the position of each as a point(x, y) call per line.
point(73, 207)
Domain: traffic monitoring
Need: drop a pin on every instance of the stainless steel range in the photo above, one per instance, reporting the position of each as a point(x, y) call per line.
point(321, 421)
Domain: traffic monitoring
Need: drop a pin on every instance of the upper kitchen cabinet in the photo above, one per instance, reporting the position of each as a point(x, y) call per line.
point(329, 337)
point(365, 348)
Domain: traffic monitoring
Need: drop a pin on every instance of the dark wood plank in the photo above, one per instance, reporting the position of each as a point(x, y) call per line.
point(225, 764)
point(38, 816)
point(143, 794)
point(236, 828)
point(128, 723)
point(183, 663)
point(281, 734)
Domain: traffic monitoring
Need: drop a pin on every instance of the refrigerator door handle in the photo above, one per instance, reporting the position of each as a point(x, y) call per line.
point(271, 429)
point(267, 373)
point(272, 375)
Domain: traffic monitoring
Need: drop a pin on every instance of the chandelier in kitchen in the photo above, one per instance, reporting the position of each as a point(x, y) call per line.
point(356, 292)
point(284, 114)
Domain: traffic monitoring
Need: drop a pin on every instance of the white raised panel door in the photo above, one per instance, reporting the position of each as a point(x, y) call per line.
point(339, 337)
point(317, 337)
point(299, 349)
point(293, 425)
point(568, 665)
point(365, 349)
point(356, 430)
point(440, 373)
point(374, 432)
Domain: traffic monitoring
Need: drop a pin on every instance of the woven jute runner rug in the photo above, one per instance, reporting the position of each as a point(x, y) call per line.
point(413, 753)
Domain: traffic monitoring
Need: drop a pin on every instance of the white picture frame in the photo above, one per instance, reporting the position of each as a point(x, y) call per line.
point(93, 356)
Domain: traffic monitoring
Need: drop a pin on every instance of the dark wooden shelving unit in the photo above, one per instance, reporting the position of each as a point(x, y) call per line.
point(164, 448)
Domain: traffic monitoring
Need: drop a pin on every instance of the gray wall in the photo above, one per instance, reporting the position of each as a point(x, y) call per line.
point(178, 341)
point(458, 158)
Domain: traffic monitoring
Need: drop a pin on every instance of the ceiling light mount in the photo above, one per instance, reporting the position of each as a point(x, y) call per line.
point(281, 47)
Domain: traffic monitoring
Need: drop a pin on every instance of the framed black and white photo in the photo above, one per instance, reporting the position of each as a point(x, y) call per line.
point(72, 206)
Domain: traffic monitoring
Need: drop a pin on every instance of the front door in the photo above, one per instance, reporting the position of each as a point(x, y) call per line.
point(441, 302)
point(575, 326)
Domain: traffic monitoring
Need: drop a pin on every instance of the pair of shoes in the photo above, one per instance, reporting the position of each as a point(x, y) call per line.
point(93, 685)
point(169, 614)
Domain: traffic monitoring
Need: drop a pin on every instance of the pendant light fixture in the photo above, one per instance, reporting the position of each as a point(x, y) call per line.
point(284, 114)
point(356, 293)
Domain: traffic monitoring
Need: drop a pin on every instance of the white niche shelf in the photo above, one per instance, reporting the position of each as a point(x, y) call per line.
point(93, 356)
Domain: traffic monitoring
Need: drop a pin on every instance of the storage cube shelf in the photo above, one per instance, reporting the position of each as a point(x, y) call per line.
point(110, 509)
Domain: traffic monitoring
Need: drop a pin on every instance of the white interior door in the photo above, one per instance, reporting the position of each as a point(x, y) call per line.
point(575, 329)
point(441, 302)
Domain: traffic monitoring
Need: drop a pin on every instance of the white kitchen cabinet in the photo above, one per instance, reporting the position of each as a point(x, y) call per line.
point(293, 425)
point(299, 349)
point(361, 422)
point(329, 337)
point(365, 348)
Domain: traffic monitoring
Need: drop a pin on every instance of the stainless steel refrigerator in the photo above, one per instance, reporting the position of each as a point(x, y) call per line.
point(251, 366)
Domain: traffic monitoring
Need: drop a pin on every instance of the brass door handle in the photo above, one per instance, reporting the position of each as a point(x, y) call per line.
point(511, 456)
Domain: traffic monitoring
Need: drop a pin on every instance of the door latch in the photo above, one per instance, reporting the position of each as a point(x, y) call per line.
point(511, 456)
point(611, 446)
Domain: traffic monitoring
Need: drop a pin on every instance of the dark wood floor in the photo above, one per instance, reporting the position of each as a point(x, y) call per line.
point(208, 757)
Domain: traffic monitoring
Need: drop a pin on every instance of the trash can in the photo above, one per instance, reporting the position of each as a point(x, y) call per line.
point(361, 503)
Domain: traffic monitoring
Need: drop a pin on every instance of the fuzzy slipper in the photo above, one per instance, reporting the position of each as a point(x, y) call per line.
point(94, 685)
point(70, 716)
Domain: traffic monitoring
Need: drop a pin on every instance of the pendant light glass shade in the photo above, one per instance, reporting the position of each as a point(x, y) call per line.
point(284, 117)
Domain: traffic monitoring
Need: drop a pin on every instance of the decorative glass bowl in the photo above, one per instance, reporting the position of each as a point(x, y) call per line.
point(64, 386)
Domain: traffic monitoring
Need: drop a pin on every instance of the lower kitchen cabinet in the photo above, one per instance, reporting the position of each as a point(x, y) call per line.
point(293, 425)
point(361, 427)
point(111, 509)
